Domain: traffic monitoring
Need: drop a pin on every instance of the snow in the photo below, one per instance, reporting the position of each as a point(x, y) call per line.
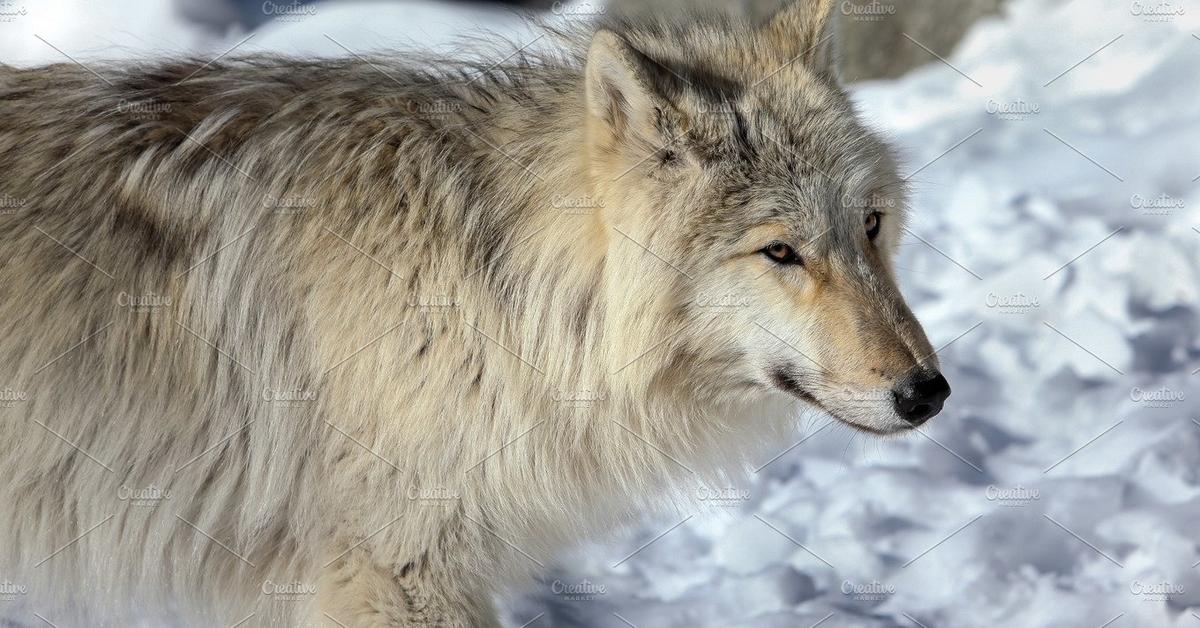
point(423, 25)
point(1053, 254)
point(48, 31)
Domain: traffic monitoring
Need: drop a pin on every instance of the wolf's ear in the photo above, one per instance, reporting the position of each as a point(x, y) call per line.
point(804, 29)
point(621, 93)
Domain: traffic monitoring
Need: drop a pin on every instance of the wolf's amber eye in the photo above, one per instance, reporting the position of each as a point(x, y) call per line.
point(781, 253)
point(874, 222)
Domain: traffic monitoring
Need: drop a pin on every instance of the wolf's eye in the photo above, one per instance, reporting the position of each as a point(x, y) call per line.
point(873, 223)
point(781, 253)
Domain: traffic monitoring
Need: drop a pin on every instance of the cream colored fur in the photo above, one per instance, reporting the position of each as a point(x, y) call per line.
point(364, 343)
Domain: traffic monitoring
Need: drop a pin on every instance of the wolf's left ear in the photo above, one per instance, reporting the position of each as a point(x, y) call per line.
point(805, 29)
point(621, 93)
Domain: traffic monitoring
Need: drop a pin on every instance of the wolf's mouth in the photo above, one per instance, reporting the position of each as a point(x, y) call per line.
point(785, 381)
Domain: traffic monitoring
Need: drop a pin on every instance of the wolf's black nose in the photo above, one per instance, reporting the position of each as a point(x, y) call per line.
point(920, 398)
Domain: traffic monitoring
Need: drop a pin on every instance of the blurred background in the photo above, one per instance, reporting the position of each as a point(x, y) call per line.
point(1053, 256)
point(872, 34)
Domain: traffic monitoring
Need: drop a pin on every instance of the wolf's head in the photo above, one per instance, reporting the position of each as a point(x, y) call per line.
point(752, 211)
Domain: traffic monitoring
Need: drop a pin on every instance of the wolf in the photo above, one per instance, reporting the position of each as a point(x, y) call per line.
point(364, 341)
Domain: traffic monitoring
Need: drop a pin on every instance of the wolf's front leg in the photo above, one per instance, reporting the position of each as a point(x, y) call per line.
point(356, 591)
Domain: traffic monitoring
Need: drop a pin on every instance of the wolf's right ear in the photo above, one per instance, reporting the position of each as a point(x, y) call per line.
point(804, 30)
point(620, 91)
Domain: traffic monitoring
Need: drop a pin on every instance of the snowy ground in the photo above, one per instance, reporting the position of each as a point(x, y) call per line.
point(1054, 254)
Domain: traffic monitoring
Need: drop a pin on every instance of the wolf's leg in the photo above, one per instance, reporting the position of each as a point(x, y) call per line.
point(355, 591)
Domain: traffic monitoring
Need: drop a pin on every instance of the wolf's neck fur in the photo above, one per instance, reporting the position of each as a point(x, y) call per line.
point(588, 335)
point(562, 293)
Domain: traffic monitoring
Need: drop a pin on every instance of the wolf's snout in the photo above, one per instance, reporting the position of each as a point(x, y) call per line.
point(920, 397)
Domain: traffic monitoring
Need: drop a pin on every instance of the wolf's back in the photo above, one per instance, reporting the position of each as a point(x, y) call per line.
point(149, 248)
